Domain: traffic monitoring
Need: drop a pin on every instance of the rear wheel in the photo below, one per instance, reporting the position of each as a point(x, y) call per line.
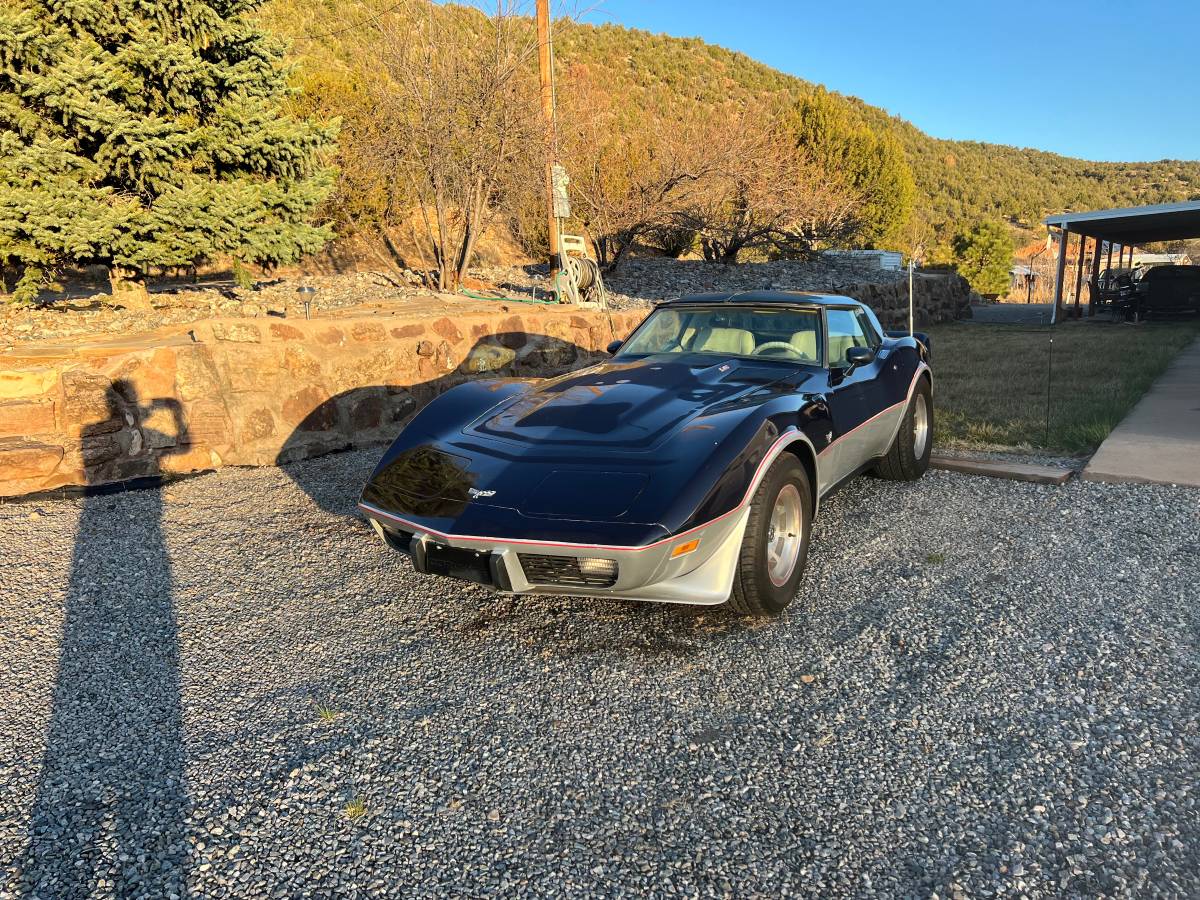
point(908, 457)
point(775, 545)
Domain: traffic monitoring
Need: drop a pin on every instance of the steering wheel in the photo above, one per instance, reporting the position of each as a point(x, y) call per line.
point(778, 345)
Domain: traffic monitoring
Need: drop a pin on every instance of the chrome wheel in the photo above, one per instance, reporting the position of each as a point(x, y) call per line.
point(784, 535)
point(920, 425)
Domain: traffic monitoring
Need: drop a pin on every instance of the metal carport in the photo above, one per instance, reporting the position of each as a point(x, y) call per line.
point(1120, 228)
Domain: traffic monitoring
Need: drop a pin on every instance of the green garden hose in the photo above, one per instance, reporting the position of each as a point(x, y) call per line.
point(475, 296)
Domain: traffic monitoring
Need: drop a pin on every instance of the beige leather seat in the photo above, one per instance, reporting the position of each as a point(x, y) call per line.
point(838, 345)
point(805, 343)
point(724, 340)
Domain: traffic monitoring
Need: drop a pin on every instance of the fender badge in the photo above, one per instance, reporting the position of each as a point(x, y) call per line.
point(475, 493)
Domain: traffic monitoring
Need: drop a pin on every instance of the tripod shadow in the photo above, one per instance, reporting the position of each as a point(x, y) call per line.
point(111, 801)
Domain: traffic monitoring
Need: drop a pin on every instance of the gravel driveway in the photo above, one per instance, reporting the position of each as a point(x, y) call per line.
point(229, 688)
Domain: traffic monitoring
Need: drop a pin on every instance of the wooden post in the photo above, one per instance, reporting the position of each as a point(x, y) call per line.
point(1094, 282)
point(1108, 264)
point(1079, 272)
point(1059, 273)
point(546, 75)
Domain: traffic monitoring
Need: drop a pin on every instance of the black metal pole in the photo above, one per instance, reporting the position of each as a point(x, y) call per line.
point(1049, 373)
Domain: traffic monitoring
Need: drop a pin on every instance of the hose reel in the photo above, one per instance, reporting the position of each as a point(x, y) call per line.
point(579, 278)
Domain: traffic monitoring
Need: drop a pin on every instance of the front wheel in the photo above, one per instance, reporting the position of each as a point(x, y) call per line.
point(775, 545)
point(908, 457)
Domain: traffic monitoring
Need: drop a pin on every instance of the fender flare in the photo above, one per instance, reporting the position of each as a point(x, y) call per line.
point(922, 369)
point(783, 444)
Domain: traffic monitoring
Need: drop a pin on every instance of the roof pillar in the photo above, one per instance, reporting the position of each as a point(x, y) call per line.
point(1094, 281)
point(1079, 273)
point(1059, 273)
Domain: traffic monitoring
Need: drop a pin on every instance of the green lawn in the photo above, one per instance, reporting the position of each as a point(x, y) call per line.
point(990, 381)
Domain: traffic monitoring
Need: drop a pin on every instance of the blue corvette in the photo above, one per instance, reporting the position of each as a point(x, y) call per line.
point(686, 469)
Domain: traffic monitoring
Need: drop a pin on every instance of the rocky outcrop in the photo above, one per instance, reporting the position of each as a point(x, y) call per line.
point(250, 392)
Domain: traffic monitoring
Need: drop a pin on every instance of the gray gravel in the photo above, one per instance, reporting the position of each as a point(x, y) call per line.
point(986, 689)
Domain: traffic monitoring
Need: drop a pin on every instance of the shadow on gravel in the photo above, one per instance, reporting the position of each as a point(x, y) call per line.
point(642, 628)
point(111, 801)
point(572, 628)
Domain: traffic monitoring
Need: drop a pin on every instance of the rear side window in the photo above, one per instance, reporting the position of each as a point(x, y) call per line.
point(845, 331)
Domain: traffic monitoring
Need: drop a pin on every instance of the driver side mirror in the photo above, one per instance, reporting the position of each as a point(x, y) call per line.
point(859, 356)
point(614, 347)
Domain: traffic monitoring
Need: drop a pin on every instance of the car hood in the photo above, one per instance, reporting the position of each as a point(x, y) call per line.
point(628, 405)
point(635, 444)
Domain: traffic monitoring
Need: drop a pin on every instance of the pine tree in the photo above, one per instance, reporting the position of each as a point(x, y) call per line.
point(984, 255)
point(136, 133)
point(870, 162)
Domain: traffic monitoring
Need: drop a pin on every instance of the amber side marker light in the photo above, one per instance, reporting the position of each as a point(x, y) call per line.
point(685, 548)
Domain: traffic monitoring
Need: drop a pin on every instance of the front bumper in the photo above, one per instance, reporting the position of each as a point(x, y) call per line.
point(702, 577)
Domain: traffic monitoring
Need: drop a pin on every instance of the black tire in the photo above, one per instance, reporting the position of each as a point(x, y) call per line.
point(754, 592)
point(903, 462)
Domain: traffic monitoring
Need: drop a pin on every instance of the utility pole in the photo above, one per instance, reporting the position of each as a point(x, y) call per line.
point(546, 73)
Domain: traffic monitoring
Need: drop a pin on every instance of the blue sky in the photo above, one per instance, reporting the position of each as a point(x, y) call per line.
point(1099, 80)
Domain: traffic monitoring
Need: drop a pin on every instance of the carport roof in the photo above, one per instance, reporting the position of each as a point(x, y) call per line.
point(1134, 225)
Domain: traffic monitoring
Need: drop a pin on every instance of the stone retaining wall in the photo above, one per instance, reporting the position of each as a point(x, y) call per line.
point(259, 391)
point(244, 391)
point(936, 298)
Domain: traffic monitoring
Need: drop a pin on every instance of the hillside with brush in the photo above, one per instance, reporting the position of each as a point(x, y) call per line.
point(957, 181)
point(658, 81)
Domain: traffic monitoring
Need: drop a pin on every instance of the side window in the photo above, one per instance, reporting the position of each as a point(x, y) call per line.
point(845, 331)
point(874, 338)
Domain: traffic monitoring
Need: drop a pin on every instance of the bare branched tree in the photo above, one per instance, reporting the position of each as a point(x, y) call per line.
point(459, 111)
point(761, 193)
point(630, 168)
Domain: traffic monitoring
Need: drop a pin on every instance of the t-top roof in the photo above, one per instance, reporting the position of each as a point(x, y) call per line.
point(1136, 224)
point(801, 297)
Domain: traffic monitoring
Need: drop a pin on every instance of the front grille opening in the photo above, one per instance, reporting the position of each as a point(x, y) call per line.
point(569, 571)
point(398, 539)
point(455, 562)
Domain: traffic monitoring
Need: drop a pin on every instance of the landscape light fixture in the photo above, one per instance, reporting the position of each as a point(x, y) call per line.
point(306, 292)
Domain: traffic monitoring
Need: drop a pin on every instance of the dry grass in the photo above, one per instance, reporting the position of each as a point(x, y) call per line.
point(355, 809)
point(991, 380)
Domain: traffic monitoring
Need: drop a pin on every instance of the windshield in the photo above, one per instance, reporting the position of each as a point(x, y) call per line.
point(784, 334)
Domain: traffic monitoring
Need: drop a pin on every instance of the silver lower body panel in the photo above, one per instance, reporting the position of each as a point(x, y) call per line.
point(703, 577)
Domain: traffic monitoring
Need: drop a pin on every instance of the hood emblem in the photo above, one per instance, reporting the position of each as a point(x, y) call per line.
point(475, 493)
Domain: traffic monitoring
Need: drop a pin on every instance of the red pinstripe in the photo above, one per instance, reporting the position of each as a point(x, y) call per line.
point(768, 457)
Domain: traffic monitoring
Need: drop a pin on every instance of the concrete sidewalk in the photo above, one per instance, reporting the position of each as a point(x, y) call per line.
point(1159, 441)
